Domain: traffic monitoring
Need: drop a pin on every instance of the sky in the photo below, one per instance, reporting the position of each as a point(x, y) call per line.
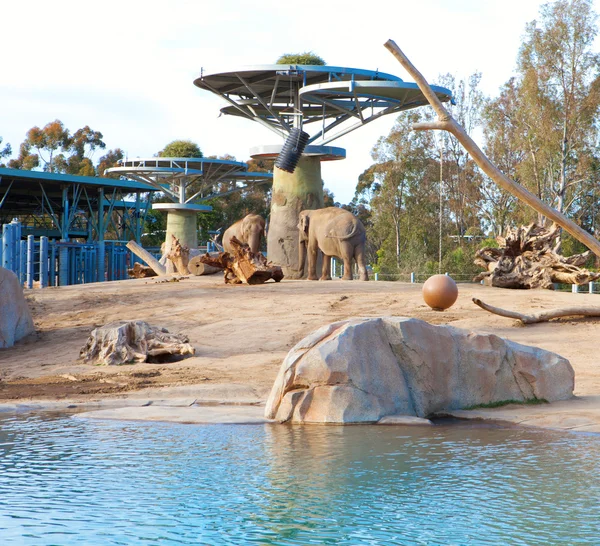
point(126, 68)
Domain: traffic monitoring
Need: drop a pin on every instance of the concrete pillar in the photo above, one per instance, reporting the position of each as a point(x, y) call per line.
point(292, 193)
point(182, 224)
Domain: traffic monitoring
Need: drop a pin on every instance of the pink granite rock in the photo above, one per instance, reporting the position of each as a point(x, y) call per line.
point(362, 370)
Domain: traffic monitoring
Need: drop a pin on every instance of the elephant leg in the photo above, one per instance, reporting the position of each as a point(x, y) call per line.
point(359, 256)
point(347, 251)
point(312, 252)
point(326, 270)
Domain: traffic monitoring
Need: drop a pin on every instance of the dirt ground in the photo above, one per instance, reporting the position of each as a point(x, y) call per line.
point(242, 333)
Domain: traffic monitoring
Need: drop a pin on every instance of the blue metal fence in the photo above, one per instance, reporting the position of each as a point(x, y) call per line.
point(57, 263)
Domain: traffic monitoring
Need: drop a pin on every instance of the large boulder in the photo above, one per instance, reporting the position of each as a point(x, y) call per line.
point(361, 370)
point(15, 317)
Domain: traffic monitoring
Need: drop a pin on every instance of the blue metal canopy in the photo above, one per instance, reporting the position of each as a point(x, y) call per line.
point(281, 97)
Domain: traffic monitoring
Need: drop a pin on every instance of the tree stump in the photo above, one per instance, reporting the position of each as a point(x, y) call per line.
point(526, 259)
point(244, 266)
point(180, 256)
point(128, 342)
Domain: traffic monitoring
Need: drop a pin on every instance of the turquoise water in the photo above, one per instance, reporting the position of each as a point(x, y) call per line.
point(66, 481)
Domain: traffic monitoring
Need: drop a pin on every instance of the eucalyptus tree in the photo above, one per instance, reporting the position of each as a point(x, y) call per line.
point(401, 188)
point(505, 146)
point(559, 90)
point(4, 152)
point(462, 178)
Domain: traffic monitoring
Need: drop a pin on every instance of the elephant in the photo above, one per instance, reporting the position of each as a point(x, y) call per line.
point(335, 232)
point(249, 230)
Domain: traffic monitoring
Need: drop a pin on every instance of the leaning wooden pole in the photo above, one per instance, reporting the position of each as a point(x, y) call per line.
point(158, 268)
point(446, 122)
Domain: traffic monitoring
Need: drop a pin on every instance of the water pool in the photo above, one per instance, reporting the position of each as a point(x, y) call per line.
point(66, 480)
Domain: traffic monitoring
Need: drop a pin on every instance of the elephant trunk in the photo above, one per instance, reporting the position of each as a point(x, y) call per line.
point(254, 241)
point(301, 257)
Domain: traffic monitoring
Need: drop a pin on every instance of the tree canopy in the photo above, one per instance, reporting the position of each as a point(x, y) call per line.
point(181, 148)
point(307, 58)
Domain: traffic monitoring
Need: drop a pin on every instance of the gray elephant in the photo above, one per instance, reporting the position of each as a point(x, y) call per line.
point(335, 232)
point(249, 230)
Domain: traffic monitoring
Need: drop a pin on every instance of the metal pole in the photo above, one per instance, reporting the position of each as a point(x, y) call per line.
point(22, 262)
point(43, 262)
point(591, 287)
point(441, 201)
point(7, 246)
point(412, 277)
point(30, 263)
point(63, 265)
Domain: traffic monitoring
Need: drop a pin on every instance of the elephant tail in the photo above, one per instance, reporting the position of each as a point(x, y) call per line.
point(346, 237)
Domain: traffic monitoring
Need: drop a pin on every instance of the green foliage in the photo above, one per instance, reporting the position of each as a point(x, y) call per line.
point(4, 152)
point(500, 403)
point(489, 243)
point(58, 150)
point(306, 58)
point(181, 148)
point(110, 159)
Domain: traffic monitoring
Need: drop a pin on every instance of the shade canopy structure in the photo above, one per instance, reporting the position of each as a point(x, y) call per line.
point(190, 181)
point(62, 206)
point(326, 103)
point(332, 100)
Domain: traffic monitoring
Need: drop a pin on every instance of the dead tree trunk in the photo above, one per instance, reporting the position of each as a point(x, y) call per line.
point(244, 266)
point(526, 259)
point(446, 122)
point(542, 316)
point(180, 256)
point(147, 257)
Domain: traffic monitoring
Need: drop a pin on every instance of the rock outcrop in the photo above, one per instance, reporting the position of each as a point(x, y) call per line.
point(362, 370)
point(15, 316)
point(127, 342)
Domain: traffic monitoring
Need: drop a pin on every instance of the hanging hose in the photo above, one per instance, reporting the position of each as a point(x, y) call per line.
point(292, 150)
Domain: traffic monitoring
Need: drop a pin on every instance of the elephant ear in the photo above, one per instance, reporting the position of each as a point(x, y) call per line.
point(305, 221)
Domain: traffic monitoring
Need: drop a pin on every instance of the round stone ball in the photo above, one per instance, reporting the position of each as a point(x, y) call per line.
point(440, 292)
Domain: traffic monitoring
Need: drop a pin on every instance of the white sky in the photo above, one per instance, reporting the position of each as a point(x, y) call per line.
point(126, 67)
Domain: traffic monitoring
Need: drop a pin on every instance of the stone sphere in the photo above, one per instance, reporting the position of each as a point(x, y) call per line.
point(440, 292)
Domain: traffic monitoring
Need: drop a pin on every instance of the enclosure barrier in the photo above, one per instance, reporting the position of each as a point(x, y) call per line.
point(41, 262)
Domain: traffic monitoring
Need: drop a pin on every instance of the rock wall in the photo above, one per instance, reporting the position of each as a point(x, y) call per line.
point(15, 317)
point(362, 370)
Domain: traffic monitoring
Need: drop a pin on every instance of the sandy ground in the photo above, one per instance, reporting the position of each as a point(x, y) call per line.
point(242, 333)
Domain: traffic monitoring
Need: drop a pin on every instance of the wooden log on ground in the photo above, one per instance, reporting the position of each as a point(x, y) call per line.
point(526, 259)
point(147, 257)
point(140, 271)
point(244, 266)
point(197, 267)
point(542, 316)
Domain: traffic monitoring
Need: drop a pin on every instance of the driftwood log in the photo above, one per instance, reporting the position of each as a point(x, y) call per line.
point(179, 255)
point(542, 316)
point(446, 122)
point(526, 259)
point(243, 266)
point(139, 271)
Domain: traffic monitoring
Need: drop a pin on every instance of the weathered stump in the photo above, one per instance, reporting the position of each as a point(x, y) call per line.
point(526, 259)
point(244, 266)
point(179, 255)
point(128, 342)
